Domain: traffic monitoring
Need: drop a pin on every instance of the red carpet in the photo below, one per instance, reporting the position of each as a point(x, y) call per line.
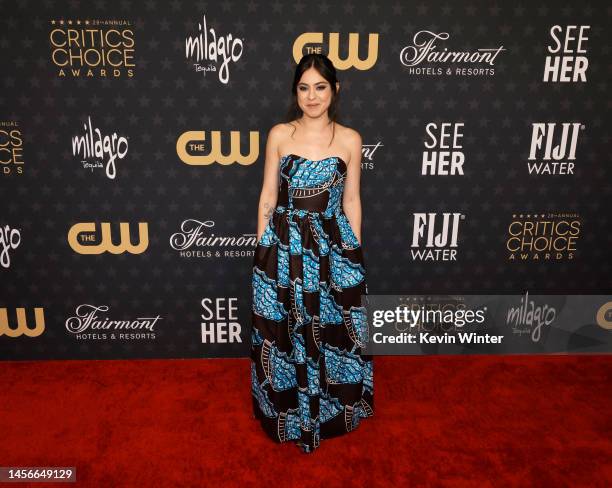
point(445, 420)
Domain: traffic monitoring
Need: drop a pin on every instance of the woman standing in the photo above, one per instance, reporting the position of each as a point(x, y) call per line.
point(309, 379)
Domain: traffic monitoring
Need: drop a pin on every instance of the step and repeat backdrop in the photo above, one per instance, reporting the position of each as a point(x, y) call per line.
point(132, 143)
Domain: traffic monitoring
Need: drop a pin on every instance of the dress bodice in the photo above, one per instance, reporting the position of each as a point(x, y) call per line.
point(312, 185)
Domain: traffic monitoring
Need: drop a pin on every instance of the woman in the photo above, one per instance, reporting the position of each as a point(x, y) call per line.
point(309, 379)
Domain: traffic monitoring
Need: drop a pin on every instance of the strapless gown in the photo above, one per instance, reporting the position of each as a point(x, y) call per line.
point(309, 378)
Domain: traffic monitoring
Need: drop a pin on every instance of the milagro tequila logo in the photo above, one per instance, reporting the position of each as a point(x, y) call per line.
point(201, 48)
point(9, 240)
point(98, 151)
point(424, 57)
point(527, 318)
point(196, 241)
point(91, 322)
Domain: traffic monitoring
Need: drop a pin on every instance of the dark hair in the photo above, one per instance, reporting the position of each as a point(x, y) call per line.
point(328, 71)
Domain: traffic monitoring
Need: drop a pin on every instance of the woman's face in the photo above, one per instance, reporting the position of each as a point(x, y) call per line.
point(314, 93)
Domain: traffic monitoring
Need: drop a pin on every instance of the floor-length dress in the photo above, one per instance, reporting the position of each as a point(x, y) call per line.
point(309, 378)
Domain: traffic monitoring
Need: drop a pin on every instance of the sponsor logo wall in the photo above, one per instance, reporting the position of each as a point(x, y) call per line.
point(132, 143)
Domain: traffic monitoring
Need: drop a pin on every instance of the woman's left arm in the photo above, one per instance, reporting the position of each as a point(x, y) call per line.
point(351, 199)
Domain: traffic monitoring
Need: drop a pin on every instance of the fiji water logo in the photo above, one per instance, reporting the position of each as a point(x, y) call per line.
point(553, 147)
point(435, 239)
point(98, 151)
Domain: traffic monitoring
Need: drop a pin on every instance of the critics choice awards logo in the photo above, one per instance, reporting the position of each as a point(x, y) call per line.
point(11, 148)
point(543, 237)
point(428, 56)
point(92, 48)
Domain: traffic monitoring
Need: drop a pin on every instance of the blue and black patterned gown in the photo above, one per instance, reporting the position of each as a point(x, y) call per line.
point(309, 379)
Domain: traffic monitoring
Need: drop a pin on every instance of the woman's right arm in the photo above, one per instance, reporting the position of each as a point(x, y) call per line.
point(269, 190)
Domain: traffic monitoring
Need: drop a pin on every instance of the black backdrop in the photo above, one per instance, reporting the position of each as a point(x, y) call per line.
point(159, 113)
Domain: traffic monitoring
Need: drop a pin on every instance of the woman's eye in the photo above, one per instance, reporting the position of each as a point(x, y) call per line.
point(319, 88)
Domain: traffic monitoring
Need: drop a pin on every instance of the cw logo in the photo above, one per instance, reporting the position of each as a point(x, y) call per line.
point(106, 240)
point(22, 324)
point(194, 140)
point(604, 316)
point(334, 49)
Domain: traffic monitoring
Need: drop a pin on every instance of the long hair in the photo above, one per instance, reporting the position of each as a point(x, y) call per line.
point(327, 70)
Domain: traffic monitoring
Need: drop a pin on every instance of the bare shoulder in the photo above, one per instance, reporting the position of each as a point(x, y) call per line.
point(278, 131)
point(348, 135)
point(276, 136)
point(351, 139)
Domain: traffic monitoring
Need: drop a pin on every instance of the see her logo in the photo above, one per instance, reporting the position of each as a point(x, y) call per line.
point(567, 44)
